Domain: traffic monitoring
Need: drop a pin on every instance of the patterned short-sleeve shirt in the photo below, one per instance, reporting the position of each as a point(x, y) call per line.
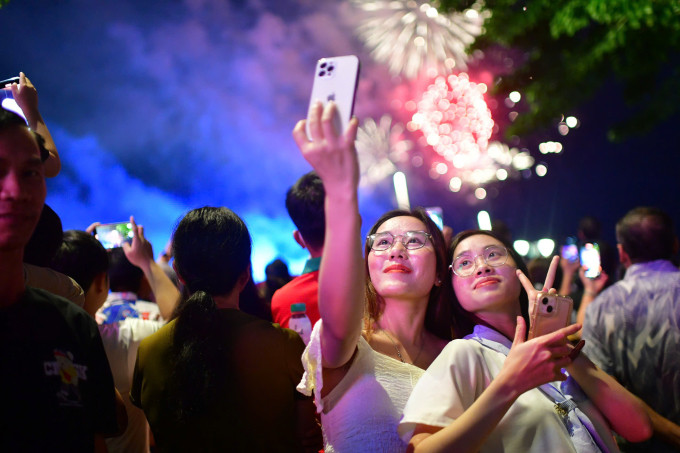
point(632, 331)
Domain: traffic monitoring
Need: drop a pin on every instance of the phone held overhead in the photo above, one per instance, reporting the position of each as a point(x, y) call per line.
point(336, 79)
point(114, 234)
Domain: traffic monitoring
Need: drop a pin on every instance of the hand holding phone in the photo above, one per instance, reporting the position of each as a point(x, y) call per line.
point(548, 313)
point(336, 79)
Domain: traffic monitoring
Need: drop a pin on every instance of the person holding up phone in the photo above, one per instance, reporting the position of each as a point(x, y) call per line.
point(360, 368)
point(26, 96)
point(490, 393)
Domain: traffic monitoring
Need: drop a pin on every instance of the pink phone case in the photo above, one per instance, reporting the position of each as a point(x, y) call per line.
point(549, 313)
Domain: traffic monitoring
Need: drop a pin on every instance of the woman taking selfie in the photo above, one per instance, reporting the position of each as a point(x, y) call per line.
point(215, 378)
point(383, 320)
point(489, 393)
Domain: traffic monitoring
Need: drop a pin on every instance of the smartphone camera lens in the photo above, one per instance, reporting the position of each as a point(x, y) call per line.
point(549, 309)
point(330, 68)
point(322, 65)
point(322, 73)
point(545, 301)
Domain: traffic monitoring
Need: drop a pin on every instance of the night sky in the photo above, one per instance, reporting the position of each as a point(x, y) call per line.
point(160, 107)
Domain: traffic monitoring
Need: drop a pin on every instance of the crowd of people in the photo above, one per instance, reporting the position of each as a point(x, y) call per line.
point(419, 339)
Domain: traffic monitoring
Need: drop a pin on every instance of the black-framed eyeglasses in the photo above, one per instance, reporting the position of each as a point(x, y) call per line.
point(412, 240)
point(465, 265)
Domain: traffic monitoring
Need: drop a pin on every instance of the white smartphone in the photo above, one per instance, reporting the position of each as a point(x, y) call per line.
point(548, 313)
point(336, 79)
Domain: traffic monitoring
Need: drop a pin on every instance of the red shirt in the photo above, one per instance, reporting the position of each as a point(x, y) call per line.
point(304, 288)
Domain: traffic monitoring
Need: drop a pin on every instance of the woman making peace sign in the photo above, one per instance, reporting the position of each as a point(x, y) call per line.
point(489, 393)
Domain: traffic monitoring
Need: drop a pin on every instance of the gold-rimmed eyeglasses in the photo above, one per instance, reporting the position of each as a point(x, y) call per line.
point(464, 265)
point(412, 240)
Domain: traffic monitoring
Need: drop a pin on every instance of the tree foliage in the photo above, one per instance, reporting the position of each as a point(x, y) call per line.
point(573, 47)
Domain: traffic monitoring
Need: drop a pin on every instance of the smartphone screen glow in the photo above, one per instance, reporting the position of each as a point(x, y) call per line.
point(590, 259)
point(8, 103)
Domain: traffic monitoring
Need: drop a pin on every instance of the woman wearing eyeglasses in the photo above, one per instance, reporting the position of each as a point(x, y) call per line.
point(383, 320)
point(489, 393)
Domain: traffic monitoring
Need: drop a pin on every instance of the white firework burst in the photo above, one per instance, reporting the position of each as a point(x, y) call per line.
point(380, 147)
point(411, 35)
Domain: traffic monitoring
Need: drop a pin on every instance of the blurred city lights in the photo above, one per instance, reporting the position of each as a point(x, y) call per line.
point(411, 35)
point(521, 246)
point(522, 161)
point(571, 121)
point(541, 170)
point(484, 220)
point(480, 193)
point(550, 147)
point(545, 247)
point(455, 184)
point(515, 96)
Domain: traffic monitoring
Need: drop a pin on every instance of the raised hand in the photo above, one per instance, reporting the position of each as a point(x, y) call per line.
point(537, 361)
point(93, 226)
point(26, 97)
point(333, 156)
point(335, 160)
point(547, 286)
point(139, 252)
point(593, 286)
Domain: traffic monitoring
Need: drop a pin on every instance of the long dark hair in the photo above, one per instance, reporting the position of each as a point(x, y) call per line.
point(463, 320)
point(438, 312)
point(211, 247)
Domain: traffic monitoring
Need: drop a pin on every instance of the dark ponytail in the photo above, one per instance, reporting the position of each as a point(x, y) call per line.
point(199, 360)
point(212, 250)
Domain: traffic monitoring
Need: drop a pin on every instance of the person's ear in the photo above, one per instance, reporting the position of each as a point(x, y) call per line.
point(243, 280)
point(101, 282)
point(623, 256)
point(299, 239)
point(179, 276)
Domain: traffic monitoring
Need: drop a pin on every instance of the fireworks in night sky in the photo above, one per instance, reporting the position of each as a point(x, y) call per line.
point(381, 147)
point(411, 35)
point(456, 124)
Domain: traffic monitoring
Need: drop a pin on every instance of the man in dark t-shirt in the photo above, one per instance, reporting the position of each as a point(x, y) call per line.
point(58, 391)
